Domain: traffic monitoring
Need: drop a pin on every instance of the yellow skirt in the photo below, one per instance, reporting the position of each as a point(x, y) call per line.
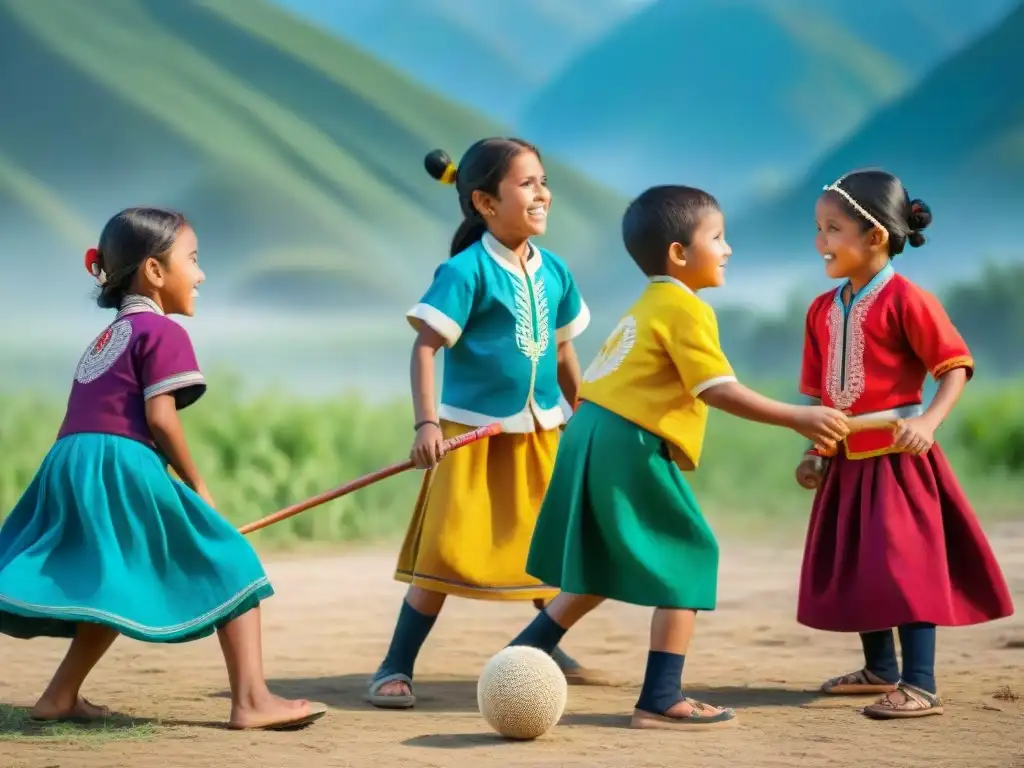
point(473, 522)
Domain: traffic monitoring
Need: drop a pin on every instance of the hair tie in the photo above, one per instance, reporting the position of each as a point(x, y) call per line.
point(448, 177)
point(92, 265)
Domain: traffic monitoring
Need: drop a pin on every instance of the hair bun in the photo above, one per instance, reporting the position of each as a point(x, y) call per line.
point(920, 215)
point(440, 166)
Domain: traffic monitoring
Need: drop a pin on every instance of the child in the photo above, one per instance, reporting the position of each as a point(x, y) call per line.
point(105, 541)
point(619, 520)
point(506, 312)
point(892, 540)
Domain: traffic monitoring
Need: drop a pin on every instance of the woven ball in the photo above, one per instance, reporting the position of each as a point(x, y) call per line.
point(521, 692)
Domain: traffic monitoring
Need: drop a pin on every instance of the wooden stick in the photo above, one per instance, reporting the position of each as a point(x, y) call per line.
point(449, 445)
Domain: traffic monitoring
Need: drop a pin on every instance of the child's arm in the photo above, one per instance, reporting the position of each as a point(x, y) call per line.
point(823, 426)
point(917, 435)
point(169, 436)
point(951, 387)
point(568, 372)
point(936, 343)
point(426, 449)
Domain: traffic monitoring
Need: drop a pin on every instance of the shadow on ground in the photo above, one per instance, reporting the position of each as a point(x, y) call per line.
point(457, 695)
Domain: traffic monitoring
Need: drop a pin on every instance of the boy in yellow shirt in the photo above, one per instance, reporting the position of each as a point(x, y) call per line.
point(619, 520)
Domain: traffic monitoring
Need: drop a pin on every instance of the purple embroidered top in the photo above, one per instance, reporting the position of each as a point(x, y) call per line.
point(140, 355)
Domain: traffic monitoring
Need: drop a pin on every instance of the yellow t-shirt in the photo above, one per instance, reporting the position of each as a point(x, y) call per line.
point(663, 353)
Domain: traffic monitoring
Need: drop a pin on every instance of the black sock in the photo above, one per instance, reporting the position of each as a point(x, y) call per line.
point(917, 642)
point(543, 632)
point(410, 633)
point(880, 655)
point(662, 682)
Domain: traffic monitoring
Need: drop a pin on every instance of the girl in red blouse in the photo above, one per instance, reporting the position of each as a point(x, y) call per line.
point(892, 540)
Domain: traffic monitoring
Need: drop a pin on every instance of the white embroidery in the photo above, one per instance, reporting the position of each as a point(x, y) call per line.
point(104, 352)
point(844, 390)
point(134, 303)
point(614, 350)
point(533, 348)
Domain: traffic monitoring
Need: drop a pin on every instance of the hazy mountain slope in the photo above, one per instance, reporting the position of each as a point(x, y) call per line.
point(298, 157)
point(738, 95)
point(491, 56)
point(956, 140)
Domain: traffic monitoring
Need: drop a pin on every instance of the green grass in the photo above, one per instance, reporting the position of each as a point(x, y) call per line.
point(16, 725)
point(266, 452)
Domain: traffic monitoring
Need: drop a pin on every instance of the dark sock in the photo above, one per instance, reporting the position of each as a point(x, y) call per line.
point(662, 682)
point(917, 642)
point(410, 633)
point(543, 632)
point(880, 655)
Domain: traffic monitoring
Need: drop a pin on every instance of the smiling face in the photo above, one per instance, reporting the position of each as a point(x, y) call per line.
point(174, 280)
point(520, 209)
point(702, 263)
point(843, 242)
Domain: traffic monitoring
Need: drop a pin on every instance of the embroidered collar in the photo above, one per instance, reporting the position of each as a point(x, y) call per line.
point(881, 278)
point(673, 281)
point(134, 303)
point(507, 258)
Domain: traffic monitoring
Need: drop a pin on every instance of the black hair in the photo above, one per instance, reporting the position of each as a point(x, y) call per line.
point(127, 240)
point(659, 217)
point(482, 168)
point(883, 195)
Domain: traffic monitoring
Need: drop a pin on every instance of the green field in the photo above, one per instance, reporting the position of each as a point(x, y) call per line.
point(267, 452)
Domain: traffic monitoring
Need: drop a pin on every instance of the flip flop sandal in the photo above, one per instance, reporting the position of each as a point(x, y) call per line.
point(76, 719)
point(644, 719)
point(916, 703)
point(316, 711)
point(855, 684)
point(377, 699)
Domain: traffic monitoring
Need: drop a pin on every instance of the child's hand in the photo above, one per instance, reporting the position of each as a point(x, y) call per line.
point(914, 435)
point(822, 426)
point(810, 471)
point(428, 447)
point(204, 494)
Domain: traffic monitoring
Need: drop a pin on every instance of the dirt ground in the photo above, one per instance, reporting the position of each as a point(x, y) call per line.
point(330, 622)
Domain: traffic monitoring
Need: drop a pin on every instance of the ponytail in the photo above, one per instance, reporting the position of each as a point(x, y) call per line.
point(470, 231)
point(482, 168)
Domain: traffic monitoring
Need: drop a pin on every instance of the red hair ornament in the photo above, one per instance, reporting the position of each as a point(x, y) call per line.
point(92, 265)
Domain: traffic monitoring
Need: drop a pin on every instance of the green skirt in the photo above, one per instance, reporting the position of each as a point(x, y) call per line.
point(620, 521)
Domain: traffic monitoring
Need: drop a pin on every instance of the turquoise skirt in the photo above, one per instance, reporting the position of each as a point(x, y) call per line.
point(105, 535)
point(619, 520)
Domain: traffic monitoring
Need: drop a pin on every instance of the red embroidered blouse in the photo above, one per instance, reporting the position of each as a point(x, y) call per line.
point(874, 354)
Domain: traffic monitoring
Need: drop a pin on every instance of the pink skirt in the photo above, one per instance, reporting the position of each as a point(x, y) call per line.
point(893, 540)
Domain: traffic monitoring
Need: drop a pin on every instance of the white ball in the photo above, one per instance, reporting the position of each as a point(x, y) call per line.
point(521, 692)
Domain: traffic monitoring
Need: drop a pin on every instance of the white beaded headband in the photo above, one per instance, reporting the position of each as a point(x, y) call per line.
point(834, 187)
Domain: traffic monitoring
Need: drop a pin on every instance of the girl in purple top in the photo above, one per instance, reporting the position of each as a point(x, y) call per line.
point(105, 541)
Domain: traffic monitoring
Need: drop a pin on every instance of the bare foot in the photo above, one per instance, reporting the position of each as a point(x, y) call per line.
point(395, 688)
point(271, 712)
point(80, 710)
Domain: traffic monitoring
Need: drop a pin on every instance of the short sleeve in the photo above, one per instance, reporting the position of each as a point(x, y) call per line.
point(932, 335)
point(168, 365)
point(696, 352)
point(447, 304)
point(573, 315)
point(810, 364)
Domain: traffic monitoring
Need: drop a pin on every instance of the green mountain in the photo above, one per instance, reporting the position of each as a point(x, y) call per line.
point(297, 157)
point(738, 96)
point(956, 141)
point(463, 48)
